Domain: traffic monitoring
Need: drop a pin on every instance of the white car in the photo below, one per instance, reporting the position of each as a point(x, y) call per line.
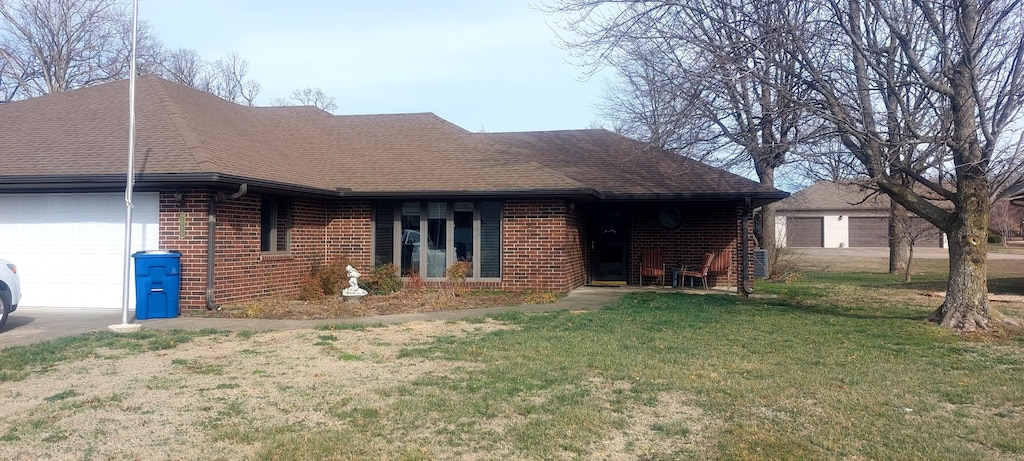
point(10, 290)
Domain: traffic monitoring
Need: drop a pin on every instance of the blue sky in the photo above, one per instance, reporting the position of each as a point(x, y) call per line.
point(484, 65)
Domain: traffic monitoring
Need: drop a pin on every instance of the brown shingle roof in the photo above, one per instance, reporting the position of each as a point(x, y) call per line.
point(826, 195)
point(617, 166)
point(188, 134)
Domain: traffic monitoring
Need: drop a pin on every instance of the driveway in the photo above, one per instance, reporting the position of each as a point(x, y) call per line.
point(883, 252)
point(29, 325)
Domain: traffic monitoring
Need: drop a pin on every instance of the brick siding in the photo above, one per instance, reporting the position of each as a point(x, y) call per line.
point(542, 246)
point(705, 228)
point(544, 243)
point(349, 233)
point(242, 272)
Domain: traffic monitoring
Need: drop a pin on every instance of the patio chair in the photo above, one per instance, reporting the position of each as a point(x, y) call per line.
point(652, 264)
point(722, 265)
point(700, 272)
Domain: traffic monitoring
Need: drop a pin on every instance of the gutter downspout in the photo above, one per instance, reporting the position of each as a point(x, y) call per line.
point(745, 287)
point(211, 239)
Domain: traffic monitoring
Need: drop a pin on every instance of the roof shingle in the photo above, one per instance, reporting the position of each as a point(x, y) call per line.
point(181, 131)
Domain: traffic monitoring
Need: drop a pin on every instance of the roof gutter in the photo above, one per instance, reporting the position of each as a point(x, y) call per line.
point(147, 182)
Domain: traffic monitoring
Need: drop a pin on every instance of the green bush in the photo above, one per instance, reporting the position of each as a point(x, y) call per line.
point(995, 238)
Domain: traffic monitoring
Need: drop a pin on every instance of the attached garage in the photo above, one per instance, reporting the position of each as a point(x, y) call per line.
point(805, 232)
point(69, 248)
point(869, 232)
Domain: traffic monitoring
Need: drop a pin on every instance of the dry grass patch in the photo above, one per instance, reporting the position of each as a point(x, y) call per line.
point(206, 400)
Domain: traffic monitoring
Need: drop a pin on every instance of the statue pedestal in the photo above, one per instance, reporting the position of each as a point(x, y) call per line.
point(352, 298)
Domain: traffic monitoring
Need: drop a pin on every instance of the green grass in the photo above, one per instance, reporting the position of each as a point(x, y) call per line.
point(786, 378)
point(832, 366)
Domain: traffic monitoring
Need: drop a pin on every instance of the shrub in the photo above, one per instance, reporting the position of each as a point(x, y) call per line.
point(323, 280)
point(383, 280)
point(995, 238)
point(457, 274)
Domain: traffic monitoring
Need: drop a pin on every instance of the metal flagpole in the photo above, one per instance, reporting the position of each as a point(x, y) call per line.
point(126, 282)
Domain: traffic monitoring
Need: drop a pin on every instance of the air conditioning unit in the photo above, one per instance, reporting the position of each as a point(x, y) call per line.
point(760, 264)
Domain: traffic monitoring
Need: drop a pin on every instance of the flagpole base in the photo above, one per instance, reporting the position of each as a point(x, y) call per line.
point(125, 328)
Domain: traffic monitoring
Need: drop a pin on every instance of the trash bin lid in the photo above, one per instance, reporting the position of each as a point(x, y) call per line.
point(157, 252)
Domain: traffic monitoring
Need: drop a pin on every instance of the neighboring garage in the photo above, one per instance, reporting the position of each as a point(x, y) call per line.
point(869, 232)
point(805, 232)
point(838, 215)
point(925, 234)
point(69, 248)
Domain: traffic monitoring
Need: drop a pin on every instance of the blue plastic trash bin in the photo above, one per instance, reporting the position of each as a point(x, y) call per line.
point(157, 283)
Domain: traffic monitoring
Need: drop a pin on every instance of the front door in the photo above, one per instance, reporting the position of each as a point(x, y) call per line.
point(608, 244)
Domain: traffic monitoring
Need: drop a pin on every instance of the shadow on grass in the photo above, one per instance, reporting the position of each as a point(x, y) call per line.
point(1006, 285)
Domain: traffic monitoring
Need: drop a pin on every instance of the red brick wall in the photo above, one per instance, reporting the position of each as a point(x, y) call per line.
point(349, 233)
point(192, 244)
point(542, 246)
point(543, 243)
point(242, 273)
point(709, 227)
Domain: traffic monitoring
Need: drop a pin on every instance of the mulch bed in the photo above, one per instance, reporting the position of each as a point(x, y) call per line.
point(402, 302)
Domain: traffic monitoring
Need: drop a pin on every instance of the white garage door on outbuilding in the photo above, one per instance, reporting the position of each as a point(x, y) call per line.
point(69, 248)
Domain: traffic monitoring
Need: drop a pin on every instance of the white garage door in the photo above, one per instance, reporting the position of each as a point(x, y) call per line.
point(69, 248)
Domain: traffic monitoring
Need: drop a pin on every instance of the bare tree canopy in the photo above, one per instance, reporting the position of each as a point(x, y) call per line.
point(232, 80)
point(926, 83)
point(187, 67)
point(50, 46)
point(309, 96)
point(696, 88)
point(921, 93)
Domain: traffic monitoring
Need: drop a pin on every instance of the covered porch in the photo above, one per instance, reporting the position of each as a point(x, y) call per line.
point(625, 239)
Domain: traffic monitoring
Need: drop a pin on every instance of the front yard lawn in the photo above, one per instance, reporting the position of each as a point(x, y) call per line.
point(838, 366)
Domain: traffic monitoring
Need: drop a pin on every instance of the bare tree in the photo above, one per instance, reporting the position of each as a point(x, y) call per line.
point(916, 91)
point(929, 81)
point(227, 77)
point(187, 67)
point(308, 97)
point(1006, 219)
point(8, 86)
point(696, 88)
point(51, 46)
point(314, 97)
point(232, 82)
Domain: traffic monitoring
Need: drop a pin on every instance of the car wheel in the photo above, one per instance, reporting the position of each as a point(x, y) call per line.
point(5, 311)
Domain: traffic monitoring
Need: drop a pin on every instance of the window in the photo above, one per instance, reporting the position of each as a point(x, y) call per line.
point(426, 238)
point(275, 224)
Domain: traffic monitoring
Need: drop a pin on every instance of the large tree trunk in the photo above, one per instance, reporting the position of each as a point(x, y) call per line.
point(966, 306)
point(765, 167)
point(899, 244)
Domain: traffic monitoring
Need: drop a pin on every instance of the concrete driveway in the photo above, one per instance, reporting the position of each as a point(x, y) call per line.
point(883, 252)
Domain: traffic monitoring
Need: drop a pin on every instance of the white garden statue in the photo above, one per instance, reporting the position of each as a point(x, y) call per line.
point(353, 289)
